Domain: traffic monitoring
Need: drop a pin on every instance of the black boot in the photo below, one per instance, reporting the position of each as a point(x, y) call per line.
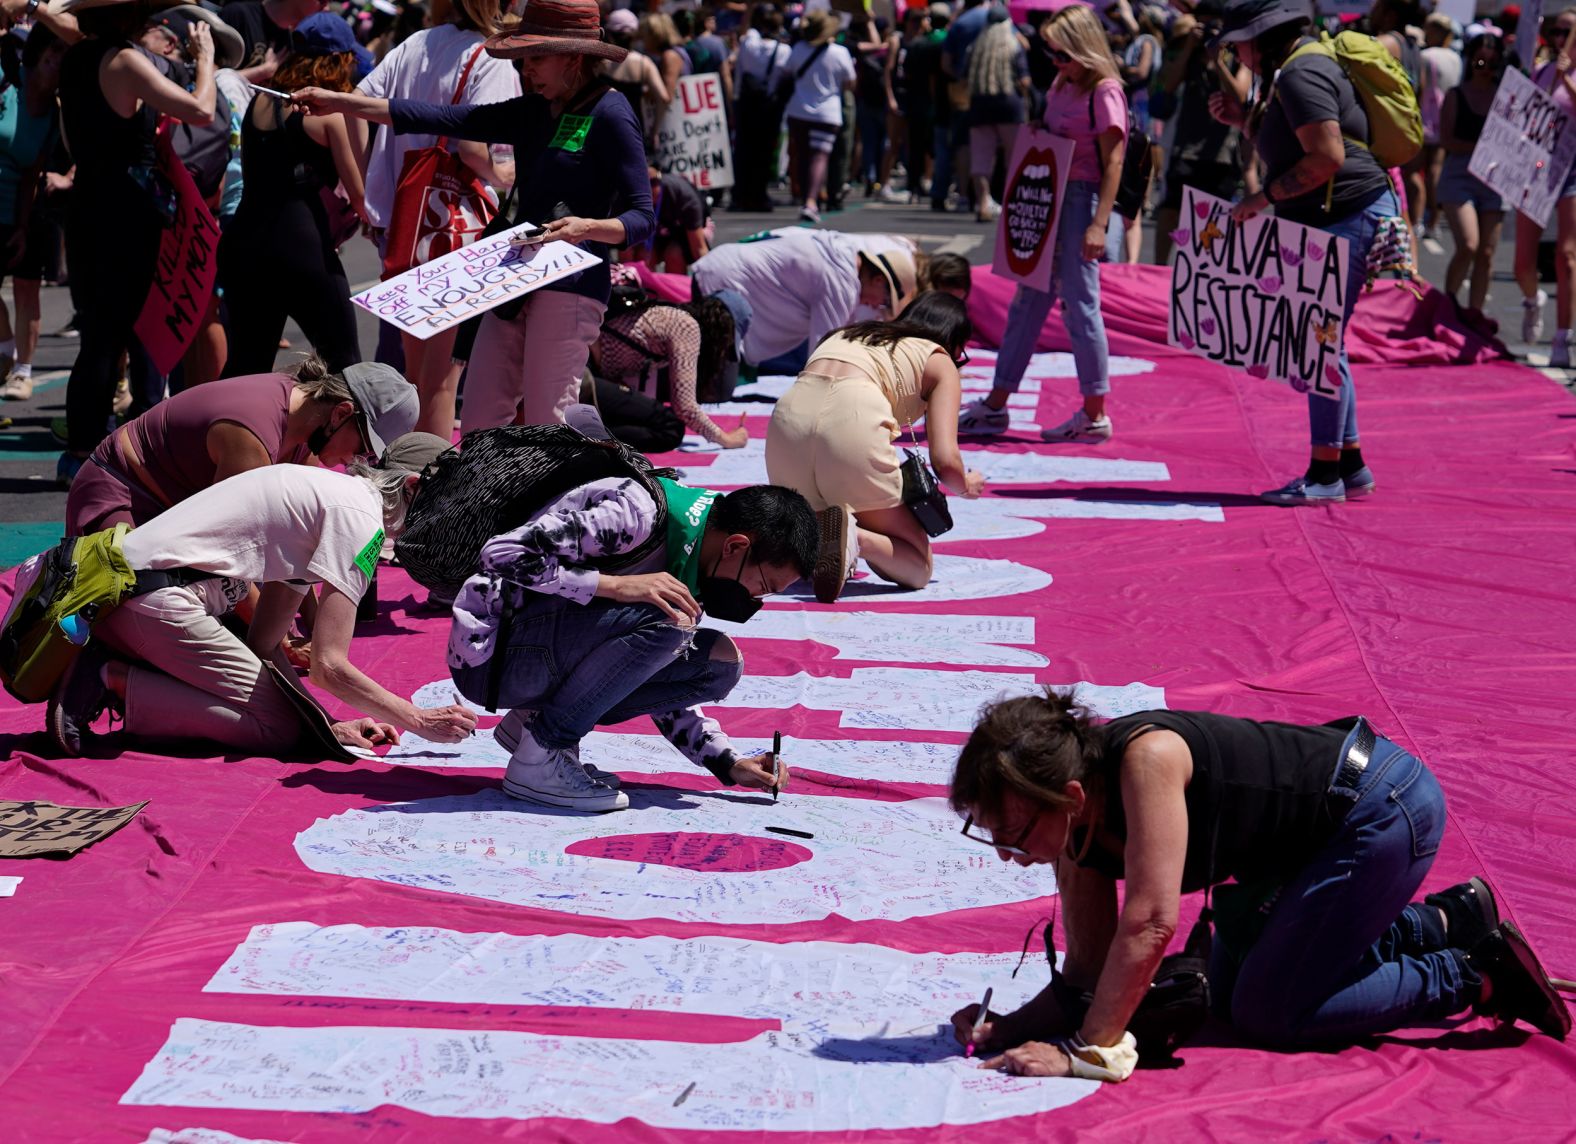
point(1521, 990)
point(1471, 912)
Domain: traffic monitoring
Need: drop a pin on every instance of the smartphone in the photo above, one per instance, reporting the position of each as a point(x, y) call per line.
point(530, 235)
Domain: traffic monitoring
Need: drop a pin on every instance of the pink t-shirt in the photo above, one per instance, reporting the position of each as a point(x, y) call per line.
point(1547, 77)
point(1068, 114)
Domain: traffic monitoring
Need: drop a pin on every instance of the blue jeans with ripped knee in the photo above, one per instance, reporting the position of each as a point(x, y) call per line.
point(580, 666)
point(1342, 954)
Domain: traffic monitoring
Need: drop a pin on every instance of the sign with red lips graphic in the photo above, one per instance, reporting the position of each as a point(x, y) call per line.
point(1031, 206)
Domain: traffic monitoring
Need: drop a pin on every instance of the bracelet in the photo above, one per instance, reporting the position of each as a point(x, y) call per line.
point(1111, 1063)
point(33, 6)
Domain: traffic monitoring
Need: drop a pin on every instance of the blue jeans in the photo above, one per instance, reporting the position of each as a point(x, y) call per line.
point(941, 172)
point(871, 121)
point(1334, 423)
point(600, 663)
point(1078, 283)
point(1342, 954)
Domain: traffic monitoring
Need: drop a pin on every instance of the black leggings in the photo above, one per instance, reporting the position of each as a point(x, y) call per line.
point(111, 251)
point(278, 268)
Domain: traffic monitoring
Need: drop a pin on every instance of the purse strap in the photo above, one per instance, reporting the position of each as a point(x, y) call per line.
point(459, 90)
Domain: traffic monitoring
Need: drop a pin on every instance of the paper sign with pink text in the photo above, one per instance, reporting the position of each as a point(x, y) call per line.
point(1266, 296)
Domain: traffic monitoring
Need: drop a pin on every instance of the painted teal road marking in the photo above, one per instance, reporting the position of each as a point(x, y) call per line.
point(24, 538)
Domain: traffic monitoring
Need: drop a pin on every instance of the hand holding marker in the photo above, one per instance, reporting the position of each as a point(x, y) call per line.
point(979, 1023)
point(777, 750)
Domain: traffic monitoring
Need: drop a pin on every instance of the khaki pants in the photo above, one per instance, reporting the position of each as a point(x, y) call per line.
point(194, 679)
point(534, 361)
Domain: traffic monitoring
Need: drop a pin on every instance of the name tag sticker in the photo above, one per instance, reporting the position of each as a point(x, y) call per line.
point(571, 133)
point(367, 559)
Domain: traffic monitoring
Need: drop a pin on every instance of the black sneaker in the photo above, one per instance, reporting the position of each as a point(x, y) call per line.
point(1471, 913)
point(1522, 991)
point(80, 698)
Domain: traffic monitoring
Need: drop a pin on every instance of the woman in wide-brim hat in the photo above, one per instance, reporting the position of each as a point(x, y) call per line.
point(111, 96)
point(581, 172)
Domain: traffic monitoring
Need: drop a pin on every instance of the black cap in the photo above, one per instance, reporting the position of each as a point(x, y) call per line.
point(1250, 19)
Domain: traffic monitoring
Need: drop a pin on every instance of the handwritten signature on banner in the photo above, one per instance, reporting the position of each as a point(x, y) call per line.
point(437, 295)
point(1266, 296)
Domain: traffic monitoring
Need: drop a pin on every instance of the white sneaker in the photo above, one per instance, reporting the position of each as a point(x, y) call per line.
point(1301, 491)
point(1560, 351)
point(1532, 317)
point(507, 735)
point(17, 387)
point(980, 420)
point(836, 554)
point(1079, 429)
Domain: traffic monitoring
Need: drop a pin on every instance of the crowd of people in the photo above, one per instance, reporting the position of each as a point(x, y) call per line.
point(262, 502)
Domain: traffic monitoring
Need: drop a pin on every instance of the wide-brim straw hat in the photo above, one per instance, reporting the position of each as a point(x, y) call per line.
point(818, 26)
point(556, 27)
point(898, 269)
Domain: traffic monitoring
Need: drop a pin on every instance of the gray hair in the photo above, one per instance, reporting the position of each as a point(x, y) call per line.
point(392, 488)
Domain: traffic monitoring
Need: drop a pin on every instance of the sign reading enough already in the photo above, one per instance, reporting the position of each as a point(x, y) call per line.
point(1266, 296)
point(430, 298)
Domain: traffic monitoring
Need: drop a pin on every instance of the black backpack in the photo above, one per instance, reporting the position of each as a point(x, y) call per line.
point(498, 481)
point(1138, 168)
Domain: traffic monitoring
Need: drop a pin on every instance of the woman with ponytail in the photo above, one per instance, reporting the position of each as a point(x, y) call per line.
point(1328, 831)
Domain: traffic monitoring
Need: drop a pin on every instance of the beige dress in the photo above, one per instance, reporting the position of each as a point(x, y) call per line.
point(831, 438)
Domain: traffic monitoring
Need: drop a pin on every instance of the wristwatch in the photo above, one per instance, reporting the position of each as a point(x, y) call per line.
point(32, 7)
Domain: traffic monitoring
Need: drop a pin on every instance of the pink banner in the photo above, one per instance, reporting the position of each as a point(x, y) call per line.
point(184, 275)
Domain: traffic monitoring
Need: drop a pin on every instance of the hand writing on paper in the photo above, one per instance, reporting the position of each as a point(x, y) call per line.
point(448, 724)
point(365, 733)
point(973, 484)
point(755, 772)
point(963, 1028)
point(732, 439)
point(1033, 1059)
point(298, 650)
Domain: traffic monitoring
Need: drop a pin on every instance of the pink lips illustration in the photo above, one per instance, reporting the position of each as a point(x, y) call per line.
point(1186, 341)
point(1290, 257)
point(1208, 326)
point(1269, 283)
point(1332, 375)
point(1315, 251)
point(1201, 209)
point(1181, 236)
point(1260, 371)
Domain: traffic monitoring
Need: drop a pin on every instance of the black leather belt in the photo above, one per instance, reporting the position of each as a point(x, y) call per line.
point(155, 579)
point(1358, 751)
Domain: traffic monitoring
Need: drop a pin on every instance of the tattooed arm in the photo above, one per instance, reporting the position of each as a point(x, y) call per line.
point(1323, 153)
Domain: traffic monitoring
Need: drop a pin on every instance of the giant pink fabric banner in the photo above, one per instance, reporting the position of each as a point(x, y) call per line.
point(1440, 608)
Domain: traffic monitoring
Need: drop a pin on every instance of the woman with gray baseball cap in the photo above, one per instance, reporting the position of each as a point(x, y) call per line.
point(1310, 129)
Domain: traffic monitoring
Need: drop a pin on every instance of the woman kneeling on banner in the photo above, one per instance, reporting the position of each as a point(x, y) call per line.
point(833, 435)
point(580, 165)
point(1328, 830)
point(1310, 129)
point(177, 673)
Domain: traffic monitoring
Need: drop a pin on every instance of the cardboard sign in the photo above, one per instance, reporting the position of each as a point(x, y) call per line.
point(1031, 207)
point(434, 296)
point(183, 275)
point(692, 139)
point(1526, 147)
point(32, 829)
point(1266, 296)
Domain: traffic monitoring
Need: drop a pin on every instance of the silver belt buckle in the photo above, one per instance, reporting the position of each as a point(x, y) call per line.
point(1355, 761)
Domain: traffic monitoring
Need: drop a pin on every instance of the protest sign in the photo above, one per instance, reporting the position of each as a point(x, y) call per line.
point(183, 275)
point(1526, 147)
point(430, 298)
point(692, 139)
point(1031, 206)
point(1266, 296)
point(32, 829)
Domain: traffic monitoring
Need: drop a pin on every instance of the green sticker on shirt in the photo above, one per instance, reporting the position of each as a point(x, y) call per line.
point(571, 133)
point(367, 558)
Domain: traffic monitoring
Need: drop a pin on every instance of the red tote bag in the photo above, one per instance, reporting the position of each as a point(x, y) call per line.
point(440, 204)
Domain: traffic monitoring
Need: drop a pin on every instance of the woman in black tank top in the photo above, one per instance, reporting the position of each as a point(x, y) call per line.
point(111, 96)
point(1473, 210)
point(1327, 831)
point(279, 256)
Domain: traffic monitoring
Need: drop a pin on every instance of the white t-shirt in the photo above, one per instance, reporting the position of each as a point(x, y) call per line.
point(802, 285)
point(818, 94)
point(280, 523)
point(761, 57)
point(426, 67)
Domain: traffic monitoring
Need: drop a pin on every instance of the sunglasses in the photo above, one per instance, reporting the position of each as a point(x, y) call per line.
point(1061, 57)
point(962, 359)
point(1016, 848)
point(1559, 33)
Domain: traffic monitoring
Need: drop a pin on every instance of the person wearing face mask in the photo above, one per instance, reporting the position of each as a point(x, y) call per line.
point(211, 432)
point(1324, 834)
point(580, 163)
point(570, 646)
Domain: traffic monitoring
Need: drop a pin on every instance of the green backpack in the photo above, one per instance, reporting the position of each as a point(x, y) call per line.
point(1395, 122)
point(60, 595)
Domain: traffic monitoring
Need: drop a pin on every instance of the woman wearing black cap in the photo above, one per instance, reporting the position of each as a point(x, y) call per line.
point(1310, 129)
point(580, 164)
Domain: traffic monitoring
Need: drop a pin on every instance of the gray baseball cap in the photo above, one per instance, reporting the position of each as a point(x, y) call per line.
point(413, 452)
point(385, 402)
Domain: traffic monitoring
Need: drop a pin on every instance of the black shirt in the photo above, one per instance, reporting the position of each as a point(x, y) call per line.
point(248, 18)
point(1258, 803)
point(681, 208)
point(1310, 89)
point(927, 85)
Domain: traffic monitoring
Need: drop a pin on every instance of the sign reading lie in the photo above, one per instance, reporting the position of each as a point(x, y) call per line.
point(1031, 207)
point(692, 139)
point(436, 295)
point(1266, 296)
point(1526, 147)
point(183, 275)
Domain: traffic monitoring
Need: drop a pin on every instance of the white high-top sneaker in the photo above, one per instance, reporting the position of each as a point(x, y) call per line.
point(551, 777)
point(507, 735)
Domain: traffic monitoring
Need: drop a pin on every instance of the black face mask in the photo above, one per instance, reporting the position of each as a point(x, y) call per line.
point(726, 599)
point(319, 438)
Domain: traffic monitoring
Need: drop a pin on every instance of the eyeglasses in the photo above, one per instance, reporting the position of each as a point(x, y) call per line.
point(1558, 33)
point(1016, 849)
